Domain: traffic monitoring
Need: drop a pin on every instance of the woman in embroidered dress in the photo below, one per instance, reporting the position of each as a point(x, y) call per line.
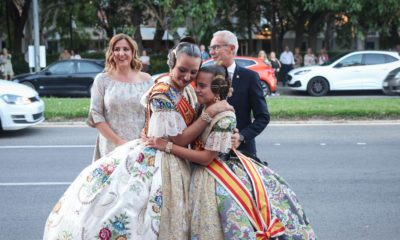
point(259, 206)
point(115, 108)
point(137, 192)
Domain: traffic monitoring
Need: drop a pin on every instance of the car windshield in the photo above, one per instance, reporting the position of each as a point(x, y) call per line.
point(330, 61)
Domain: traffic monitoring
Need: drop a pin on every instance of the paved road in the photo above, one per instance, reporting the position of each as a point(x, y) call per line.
point(345, 175)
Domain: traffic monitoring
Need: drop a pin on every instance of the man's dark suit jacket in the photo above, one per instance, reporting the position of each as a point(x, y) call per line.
point(248, 98)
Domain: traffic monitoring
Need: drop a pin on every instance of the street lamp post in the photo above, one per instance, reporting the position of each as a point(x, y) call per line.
point(36, 34)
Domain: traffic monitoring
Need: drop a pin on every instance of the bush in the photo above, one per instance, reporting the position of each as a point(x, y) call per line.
point(158, 63)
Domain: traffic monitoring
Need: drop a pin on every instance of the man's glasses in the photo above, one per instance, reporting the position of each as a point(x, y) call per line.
point(217, 47)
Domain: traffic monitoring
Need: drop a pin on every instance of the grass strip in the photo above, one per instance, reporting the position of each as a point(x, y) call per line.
point(280, 108)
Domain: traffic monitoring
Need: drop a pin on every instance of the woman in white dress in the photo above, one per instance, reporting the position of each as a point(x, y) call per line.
point(233, 196)
point(137, 192)
point(115, 108)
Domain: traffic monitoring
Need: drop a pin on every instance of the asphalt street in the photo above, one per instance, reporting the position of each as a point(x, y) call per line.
point(345, 175)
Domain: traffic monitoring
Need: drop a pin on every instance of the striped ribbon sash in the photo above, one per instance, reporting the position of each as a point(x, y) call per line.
point(258, 211)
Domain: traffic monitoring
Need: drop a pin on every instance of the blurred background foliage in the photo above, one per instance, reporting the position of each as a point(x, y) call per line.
point(340, 23)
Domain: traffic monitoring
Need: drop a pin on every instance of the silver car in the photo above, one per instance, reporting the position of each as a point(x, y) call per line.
point(391, 84)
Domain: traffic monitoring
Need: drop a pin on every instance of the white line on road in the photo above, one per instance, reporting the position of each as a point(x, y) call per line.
point(48, 146)
point(35, 184)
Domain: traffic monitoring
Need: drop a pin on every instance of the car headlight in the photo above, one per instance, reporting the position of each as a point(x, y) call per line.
point(15, 99)
point(301, 72)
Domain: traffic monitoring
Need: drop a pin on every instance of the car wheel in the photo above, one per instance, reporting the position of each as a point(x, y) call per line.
point(28, 84)
point(265, 88)
point(318, 86)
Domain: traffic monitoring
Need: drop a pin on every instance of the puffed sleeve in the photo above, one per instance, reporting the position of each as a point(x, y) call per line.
point(219, 139)
point(96, 111)
point(165, 120)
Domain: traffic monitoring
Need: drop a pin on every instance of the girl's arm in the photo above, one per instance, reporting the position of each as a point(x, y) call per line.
point(204, 157)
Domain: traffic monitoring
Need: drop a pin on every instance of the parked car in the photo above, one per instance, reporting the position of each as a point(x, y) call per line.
point(391, 84)
point(266, 73)
point(20, 106)
point(65, 78)
point(360, 70)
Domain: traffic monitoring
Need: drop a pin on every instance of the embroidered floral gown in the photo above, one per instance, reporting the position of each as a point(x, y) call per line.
point(134, 192)
point(217, 215)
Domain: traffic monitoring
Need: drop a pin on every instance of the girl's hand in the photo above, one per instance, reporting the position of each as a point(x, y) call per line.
point(218, 107)
point(120, 142)
point(143, 136)
point(157, 143)
point(235, 139)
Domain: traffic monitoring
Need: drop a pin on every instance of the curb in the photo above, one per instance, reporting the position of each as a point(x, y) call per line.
point(272, 123)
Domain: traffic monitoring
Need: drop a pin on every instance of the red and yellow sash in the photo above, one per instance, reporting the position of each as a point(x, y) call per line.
point(183, 106)
point(258, 211)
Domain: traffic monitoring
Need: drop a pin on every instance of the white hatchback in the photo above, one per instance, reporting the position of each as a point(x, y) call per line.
point(20, 106)
point(360, 70)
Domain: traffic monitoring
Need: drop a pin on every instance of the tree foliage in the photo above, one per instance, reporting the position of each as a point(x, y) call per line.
point(348, 20)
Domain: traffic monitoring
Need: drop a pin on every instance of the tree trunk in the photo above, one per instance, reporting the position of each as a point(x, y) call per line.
point(314, 29)
point(19, 20)
point(157, 41)
point(299, 30)
point(137, 20)
point(274, 30)
point(329, 31)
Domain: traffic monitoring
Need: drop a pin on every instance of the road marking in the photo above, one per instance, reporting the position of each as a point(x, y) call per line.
point(47, 146)
point(36, 184)
point(322, 144)
point(361, 143)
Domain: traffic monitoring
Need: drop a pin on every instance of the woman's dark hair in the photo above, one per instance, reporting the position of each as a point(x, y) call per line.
point(188, 46)
point(221, 83)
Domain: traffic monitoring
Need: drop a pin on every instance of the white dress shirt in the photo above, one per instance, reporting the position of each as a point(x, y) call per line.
point(231, 70)
point(287, 58)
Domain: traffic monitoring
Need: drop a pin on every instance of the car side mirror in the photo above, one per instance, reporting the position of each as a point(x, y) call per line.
point(339, 65)
point(47, 73)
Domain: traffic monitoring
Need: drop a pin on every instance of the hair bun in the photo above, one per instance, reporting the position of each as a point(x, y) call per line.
point(188, 39)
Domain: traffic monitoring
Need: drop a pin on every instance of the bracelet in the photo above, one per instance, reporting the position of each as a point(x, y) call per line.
point(206, 117)
point(168, 147)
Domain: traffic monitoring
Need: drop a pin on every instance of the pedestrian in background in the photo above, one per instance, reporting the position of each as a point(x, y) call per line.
point(275, 64)
point(262, 55)
point(323, 56)
point(204, 53)
point(75, 55)
point(298, 59)
point(309, 58)
point(65, 55)
point(287, 61)
point(115, 108)
point(145, 60)
point(6, 65)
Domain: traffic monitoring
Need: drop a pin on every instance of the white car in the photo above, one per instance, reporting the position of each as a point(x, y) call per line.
point(360, 70)
point(20, 106)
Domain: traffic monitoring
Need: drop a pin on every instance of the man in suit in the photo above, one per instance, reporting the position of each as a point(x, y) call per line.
point(247, 98)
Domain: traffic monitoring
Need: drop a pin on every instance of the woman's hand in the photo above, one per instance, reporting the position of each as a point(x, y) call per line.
point(157, 143)
point(218, 107)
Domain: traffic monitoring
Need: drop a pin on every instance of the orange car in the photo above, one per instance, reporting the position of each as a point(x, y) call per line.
point(267, 75)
